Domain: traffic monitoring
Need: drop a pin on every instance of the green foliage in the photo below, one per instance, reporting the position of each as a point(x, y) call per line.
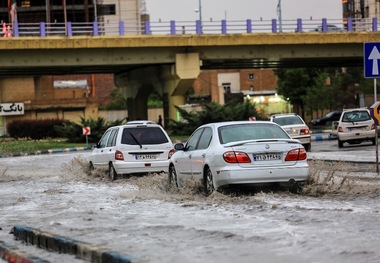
point(34, 129)
point(307, 87)
point(118, 102)
point(73, 132)
point(211, 112)
point(155, 100)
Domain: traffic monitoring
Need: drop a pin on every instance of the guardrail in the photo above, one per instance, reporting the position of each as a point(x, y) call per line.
point(198, 27)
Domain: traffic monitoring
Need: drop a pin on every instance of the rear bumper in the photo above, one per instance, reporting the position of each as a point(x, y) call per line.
point(299, 172)
point(141, 167)
point(352, 136)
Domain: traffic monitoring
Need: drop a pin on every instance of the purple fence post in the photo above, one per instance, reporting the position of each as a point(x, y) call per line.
point(299, 25)
point(224, 26)
point(349, 24)
point(121, 28)
point(249, 25)
point(274, 26)
point(15, 29)
point(147, 28)
point(374, 24)
point(42, 29)
point(172, 27)
point(69, 29)
point(198, 27)
point(95, 28)
point(324, 25)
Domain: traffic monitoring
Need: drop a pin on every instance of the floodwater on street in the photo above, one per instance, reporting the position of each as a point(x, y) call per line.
point(336, 218)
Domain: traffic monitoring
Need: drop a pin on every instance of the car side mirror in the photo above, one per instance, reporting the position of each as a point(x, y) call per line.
point(179, 147)
point(335, 125)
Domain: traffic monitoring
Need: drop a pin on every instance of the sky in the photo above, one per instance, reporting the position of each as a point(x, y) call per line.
point(185, 10)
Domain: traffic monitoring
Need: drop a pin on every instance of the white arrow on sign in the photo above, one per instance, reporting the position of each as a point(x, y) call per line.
point(375, 56)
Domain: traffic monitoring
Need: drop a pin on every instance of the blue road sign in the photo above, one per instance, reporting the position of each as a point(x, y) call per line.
point(372, 60)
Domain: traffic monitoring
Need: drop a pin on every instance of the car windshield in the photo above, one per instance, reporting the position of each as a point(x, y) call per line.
point(246, 132)
point(143, 135)
point(291, 120)
point(355, 116)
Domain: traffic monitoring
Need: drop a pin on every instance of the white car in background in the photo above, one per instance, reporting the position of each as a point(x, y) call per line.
point(355, 126)
point(136, 147)
point(295, 126)
point(237, 153)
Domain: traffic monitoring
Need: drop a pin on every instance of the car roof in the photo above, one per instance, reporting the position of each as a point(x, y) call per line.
point(141, 122)
point(224, 123)
point(283, 115)
point(355, 109)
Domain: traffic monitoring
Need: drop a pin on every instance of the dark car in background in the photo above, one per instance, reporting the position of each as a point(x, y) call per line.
point(327, 119)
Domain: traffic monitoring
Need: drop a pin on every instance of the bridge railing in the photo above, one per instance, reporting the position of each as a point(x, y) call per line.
point(121, 28)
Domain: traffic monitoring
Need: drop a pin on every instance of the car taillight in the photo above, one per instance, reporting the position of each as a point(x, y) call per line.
point(236, 157)
point(340, 129)
point(304, 131)
point(296, 155)
point(119, 156)
point(171, 152)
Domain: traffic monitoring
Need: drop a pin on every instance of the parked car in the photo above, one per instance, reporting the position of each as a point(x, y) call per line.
point(327, 119)
point(355, 126)
point(239, 152)
point(295, 126)
point(133, 148)
point(329, 28)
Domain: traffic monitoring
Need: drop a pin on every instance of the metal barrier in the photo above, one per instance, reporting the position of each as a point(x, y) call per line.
point(198, 27)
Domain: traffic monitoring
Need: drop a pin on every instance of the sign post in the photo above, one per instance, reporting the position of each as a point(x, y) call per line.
point(87, 131)
point(371, 70)
point(375, 114)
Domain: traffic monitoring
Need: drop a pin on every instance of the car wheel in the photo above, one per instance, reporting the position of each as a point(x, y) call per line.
point(209, 183)
point(340, 144)
point(90, 168)
point(374, 142)
point(307, 147)
point(297, 187)
point(112, 175)
point(173, 180)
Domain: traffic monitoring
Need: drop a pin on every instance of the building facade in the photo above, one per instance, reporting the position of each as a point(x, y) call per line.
point(362, 11)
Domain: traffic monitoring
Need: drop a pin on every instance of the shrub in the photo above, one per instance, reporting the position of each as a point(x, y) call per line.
point(34, 129)
point(73, 132)
point(212, 112)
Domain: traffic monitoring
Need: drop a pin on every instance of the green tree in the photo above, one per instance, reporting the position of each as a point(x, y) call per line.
point(212, 112)
point(118, 102)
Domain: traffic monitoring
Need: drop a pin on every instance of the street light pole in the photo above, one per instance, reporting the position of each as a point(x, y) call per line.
point(200, 13)
point(279, 12)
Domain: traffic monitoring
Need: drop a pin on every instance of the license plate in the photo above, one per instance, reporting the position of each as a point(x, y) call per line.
point(267, 157)
point(146, 156)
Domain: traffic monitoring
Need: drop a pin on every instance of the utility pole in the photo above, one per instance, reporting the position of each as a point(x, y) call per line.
point(200, 13)
point(65, 15)
point(279, 13)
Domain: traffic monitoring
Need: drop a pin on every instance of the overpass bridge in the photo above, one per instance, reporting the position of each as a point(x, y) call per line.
point(169, 63)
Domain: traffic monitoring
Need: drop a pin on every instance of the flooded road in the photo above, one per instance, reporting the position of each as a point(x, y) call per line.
point(336, 219)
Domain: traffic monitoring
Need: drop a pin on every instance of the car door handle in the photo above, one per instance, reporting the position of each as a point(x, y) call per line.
point(189, 156)
point(203, 155)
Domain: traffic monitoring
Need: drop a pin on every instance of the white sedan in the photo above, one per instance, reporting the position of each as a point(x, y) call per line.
point(239, 152)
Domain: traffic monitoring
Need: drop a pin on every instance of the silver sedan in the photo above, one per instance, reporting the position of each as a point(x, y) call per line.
point(239, 152)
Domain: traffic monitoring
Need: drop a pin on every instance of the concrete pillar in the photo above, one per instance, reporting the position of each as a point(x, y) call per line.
point(171, 81)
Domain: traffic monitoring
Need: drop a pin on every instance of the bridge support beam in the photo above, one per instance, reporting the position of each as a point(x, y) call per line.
point(171, 81)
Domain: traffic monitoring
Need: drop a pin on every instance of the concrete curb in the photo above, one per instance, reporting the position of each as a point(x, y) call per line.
point(82, 250)
point(13, 254)
point(323, 137)
point(59, 150)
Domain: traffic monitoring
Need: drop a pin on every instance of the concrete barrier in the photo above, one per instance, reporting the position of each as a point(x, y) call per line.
point(82, 250)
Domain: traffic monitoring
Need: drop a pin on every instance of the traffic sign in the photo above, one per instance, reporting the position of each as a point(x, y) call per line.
point(86, 130)
point(372, 60)
point(375, 112)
